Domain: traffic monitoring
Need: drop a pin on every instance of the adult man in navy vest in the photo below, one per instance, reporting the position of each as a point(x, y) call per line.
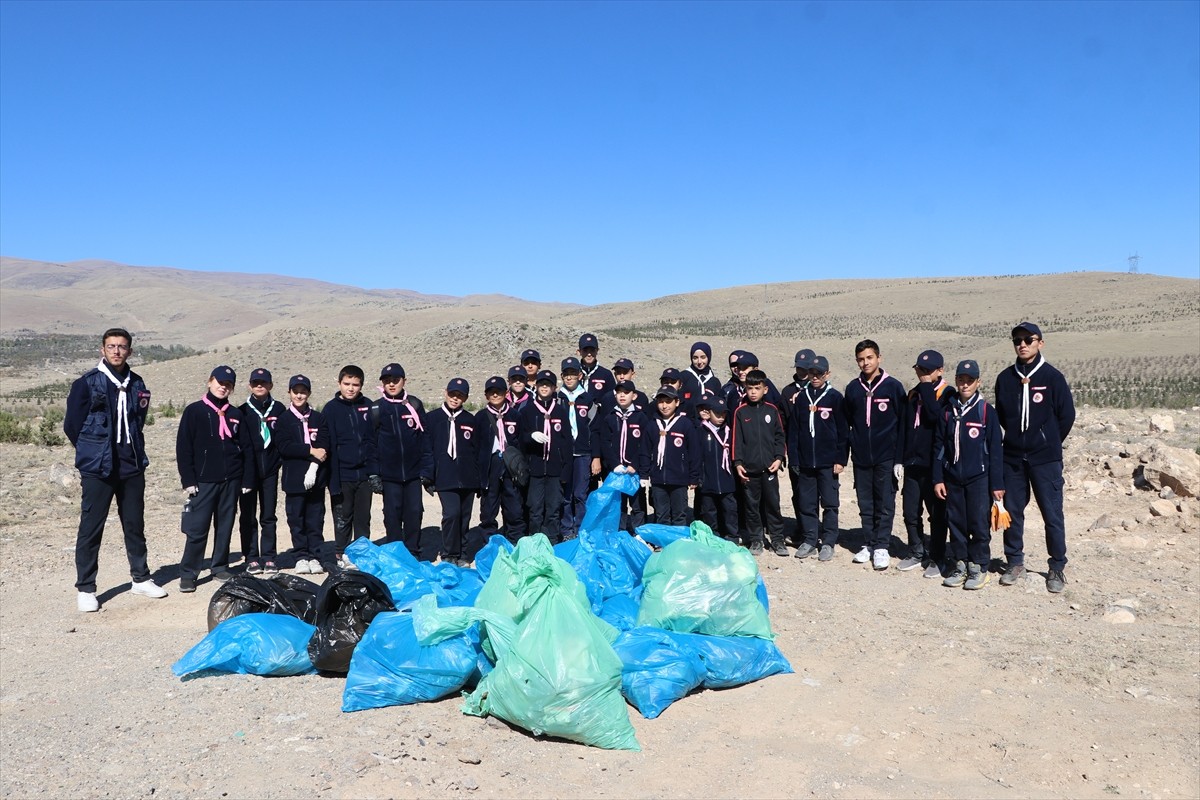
point(106, 410)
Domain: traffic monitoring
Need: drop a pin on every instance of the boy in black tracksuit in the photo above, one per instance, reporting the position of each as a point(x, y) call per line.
point(544, 433)
point(874, 408)
point(620, 443)
point(968, 473)
point(303, 440)
point(578, 474)
point(675, 464)
point(716, 496)
point(817, 449)
point(501, 497)
point(458, 463)
point(922, 414)
point(404, 457)
point(216, 463)
point(759, 447)
point(353, 461)
point(262, 499)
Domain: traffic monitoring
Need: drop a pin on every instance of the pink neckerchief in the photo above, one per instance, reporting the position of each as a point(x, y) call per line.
point(936, 390)
point(960, 411)
point(663, 429)
point(724, 441)
point(223, 429)
point(403, 401)
point(452, 447)
point(870, 390)
point(499, 415)
point(304, 422)
point(546, 430)
point(624, 415)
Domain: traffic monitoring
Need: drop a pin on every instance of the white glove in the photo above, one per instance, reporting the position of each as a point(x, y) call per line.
point(539, 437)
point(898, 471)
point(246, 490)
point(645, 482)
point(192, 491)
point(310, 477)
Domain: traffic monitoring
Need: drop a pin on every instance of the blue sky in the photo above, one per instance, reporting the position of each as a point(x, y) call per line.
point(596, 152)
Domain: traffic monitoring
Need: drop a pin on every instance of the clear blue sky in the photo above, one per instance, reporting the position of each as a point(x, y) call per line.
point(606, 151)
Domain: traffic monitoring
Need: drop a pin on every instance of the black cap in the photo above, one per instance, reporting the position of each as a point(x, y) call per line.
point(458, 385)
point(391, 371)
point(747, 359)
point(546, 376)
point(819, 363)
point(667, 391)
point(624, 386)
point(261, 374)
point(804, 358)
point(1028, 327)
point(299, 380)
point(531, 355)
point(623, 363)
point(516, 372)
point(495, 384)
point(967, 368)
point(930, 360)
point(588, 340)
point(713, 401)
point(571, 362)
point(224, 374)
point(670, 374)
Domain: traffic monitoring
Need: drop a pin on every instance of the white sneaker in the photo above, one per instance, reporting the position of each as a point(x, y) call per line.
point(148, 588)
point(880, 559)
point(315, 568)
point(88, 602)
point(862, 556)
point(345, 563)
point(302, 566)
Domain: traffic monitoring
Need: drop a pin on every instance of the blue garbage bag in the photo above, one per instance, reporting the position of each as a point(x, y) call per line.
point(409, 579)
point(487, 555)
point(662, 535)
point(658, 668)
point(735, 660)
point(390, 668)
point(620, 611)
point(607, 560)
point(252, 644)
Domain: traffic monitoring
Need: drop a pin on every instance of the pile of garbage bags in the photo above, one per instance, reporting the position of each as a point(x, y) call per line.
point(553, 639)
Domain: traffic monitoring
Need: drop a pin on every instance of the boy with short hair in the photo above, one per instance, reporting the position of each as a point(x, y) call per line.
point(923, 412)
point(498, 425)
point(577, 476)
point(620, 443)
point(817, 451)
point(262, 498)
point(354, 461)
point(624, 371)
point(303, 440)
point(968, 473)
point(405, 457)
point(518, 387)
point(874, 407)
point(544, 431)
point(531, 362)
point(716, 498)
point(675, 465)
point(458, 463)
point(759, 447)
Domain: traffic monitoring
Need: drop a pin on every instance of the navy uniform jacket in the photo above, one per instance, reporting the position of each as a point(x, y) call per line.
point(882, 441)
point(608, 401)
point(1051, 412)
point(581, 409)
point(715, 477)
point(828, 444)
point(488, 423)
point(599, 381)
point(529, 421)
point(607, 441)
point(465, 469)
point(681, 456)
point(922, 414)
point(203, 456)
point(266, 459)
point(694, 386)
point(351, 440)
point(91, 425)
point(758, 436)
point(294, 450)
point(979, 446)
point(735, 395)
point(401, 440)
point(788, 395)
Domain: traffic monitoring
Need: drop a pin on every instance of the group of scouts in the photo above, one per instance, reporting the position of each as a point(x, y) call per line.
point(543, 441)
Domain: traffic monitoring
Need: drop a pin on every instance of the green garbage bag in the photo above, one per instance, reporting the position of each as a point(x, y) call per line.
point(703, 584)
point(559, 676)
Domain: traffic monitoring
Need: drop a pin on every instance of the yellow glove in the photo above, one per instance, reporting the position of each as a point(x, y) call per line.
point(1000, 517)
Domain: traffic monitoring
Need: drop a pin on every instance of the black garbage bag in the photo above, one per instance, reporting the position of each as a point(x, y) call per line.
point(346, 604)
point(250, 594)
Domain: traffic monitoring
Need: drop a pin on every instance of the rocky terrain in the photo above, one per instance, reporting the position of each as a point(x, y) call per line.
point(901, 687)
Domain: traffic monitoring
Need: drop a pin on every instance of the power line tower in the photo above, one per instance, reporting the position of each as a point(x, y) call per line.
point(1133, 263)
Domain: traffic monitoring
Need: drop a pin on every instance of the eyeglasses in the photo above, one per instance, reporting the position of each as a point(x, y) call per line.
point(1024, 340)
point(117, 348)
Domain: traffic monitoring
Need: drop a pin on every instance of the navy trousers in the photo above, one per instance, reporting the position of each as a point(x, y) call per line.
point(306, 520)
point(875, 487)
point(968, 507)
point(917, 493)
point(213, 505)
point(403, 509)
point(817, 490)
point(1046, 481)
point(258, 520)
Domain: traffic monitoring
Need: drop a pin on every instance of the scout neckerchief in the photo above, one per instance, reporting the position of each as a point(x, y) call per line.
point(223, 429)
point(263, 428)
point(452, 446)
point(546, 430)
point(722, 436)
point(701, 377)
point(303, 422)
point(571, 395)
point(402, 400)
point(664, 427)
point(960, 412)
point(812, 408)
point(870, 390)
point(624, 415)
point(1025, 377)
point(501, 440)
point(937, 392)
point(122, 399)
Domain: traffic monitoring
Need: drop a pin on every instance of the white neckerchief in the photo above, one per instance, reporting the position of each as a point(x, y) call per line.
point(304, 422)
point(624, 416)
point(452, 445)
point(403, 401)
point(122, 400)
point(263, 427)
point(700, 377)
point(960, 411)
point(870, 390)
point(812, 408)
point(546, 412)
point(1025, 389)
point(663, 429)
point(571, 399)
point(501, 442)
point(724, 442)
point(936, 390)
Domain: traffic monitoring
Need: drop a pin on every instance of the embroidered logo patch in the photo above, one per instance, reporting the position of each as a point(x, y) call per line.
point(1038, 397)
point(973, 433)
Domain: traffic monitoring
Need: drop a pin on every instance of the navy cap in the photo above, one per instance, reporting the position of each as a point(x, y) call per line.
point(623, 363)
point(458, 385)
point(1029, 327)
point(588, 340)
point(747, 359)
point(929, 359)
point(516, 372)
point(624, 386)
point(713, 401)
point(261, 374)
point(391, 371)
point(571, 362)
point(967, 368)
point(702, 347)
point(735, 356)
point(495, 384)
point(670, 374)
point(531, 355)
point(804, 358)
point(224, 374)
point(299, 380)
point(819, 363)
point(667, 391)
point(546, 376)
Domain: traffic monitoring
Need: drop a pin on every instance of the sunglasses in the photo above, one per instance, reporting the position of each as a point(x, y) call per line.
point(1024, 340)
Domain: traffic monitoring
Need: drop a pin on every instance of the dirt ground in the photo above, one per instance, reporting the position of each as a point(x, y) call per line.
point(902, 688)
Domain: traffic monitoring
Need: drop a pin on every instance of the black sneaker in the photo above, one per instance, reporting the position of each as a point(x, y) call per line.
point(1055, 582)
point(756, 547)
point(187, 585)
point(222, 574)
point(780, 549)
point(1013, 574)
point(254, 568)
